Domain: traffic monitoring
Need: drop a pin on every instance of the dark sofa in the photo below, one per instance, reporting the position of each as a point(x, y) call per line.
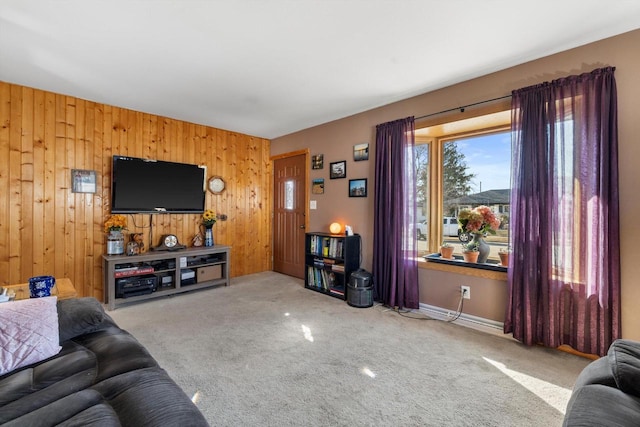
point(607, 391)
point(102, 376)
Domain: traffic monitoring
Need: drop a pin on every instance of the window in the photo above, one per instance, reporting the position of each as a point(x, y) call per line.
point(422, 196)
point(462, 165)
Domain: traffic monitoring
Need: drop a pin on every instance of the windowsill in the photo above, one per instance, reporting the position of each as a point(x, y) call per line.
point(457, 260)
point(457, 265)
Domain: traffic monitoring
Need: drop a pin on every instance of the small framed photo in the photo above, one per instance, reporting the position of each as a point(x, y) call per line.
point(338, 169)
point(317, 187)
point(83, 181)
point(358, 187)
point(361, 152)
point(317, 161)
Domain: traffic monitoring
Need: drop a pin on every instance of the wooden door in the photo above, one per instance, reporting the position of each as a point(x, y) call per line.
point(289, 222)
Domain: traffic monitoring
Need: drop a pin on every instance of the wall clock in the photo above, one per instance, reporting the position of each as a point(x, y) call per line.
point(216, 184)
point(169, 242)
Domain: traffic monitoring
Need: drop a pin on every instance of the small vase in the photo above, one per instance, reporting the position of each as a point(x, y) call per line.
point(483, 247)
point(470, 256)
point(208, 236)
point(115, 243)
point(446, 252)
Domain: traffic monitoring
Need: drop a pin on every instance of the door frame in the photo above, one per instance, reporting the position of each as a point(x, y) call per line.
point(307, 191)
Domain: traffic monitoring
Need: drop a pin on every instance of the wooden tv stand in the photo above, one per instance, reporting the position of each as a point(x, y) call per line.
point(173, 272)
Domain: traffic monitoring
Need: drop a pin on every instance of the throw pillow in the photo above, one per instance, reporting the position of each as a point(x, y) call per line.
point(79, 316)
point(28, 332)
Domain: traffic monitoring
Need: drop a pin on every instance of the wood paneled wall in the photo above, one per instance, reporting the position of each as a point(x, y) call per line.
point(45, 228)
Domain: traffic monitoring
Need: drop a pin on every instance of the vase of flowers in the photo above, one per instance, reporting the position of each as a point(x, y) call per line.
point(209, 218)
point(479, 221)
point(114, 225)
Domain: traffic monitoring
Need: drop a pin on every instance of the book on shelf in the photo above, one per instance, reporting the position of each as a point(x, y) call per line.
point(329, 279)
point(338, 267)
point(310, 278)
point(337, 291)
point(330, 247)
point(133, 271)
point(321, 278)
point(315, 277)
point(335, 248)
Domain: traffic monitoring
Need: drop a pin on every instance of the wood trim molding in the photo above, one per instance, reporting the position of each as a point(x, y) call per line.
point(290, 154)
point(485, 274)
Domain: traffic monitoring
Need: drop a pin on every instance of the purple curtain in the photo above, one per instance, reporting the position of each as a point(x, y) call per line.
point(564, 280)
point(395, 268)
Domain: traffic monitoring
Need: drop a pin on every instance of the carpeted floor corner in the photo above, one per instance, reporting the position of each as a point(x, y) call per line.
point(267, 352)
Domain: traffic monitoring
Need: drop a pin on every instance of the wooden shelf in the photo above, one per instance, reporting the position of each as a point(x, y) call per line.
point(323, 251)
point(202, 261)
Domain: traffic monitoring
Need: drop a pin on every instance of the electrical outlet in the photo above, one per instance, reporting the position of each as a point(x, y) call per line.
point(465, 291)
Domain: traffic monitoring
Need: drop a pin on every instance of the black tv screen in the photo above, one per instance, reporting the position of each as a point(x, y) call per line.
point(154, 186)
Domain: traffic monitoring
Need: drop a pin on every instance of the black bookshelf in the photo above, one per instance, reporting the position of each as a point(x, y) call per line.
point(329, 261)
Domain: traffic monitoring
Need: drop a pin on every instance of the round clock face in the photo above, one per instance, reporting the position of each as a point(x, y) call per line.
point(216, 184)
point(170, 240)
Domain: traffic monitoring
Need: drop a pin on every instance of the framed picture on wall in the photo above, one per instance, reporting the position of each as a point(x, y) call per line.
point(338, 169)
point(83, 181)
point(317, 187)
point(317, 161)
point(361, 152)
point(358, 187)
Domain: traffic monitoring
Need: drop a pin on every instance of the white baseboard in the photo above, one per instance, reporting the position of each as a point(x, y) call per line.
point(479, 323)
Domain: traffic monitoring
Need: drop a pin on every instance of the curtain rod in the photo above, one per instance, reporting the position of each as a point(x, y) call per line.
point(461, 109)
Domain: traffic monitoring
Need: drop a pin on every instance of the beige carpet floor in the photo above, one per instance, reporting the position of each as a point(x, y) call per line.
point(265, 351)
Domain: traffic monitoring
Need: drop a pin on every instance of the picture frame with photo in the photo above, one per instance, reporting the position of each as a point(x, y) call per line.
point(317, 161)
point(83, 181)
point(338, 170)
point(361, 152)
point(317, 186)
point(358, 187)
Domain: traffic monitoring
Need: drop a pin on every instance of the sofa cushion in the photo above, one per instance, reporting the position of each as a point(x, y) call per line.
point(117, 352)
point(79, 316)
point(624, 358)
point(73, 369)
point(28, 332)
point(599, 405)
point(596, 372)
point(68, 410)
point(149, 397)
point(103, 376)
point(140, 398)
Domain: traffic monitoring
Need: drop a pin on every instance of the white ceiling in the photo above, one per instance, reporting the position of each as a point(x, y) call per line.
point(271, 67)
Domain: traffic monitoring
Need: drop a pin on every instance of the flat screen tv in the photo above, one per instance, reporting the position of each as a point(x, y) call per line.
point(154, 186)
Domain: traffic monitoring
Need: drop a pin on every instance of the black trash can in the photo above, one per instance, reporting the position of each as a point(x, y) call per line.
point(360, 289)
